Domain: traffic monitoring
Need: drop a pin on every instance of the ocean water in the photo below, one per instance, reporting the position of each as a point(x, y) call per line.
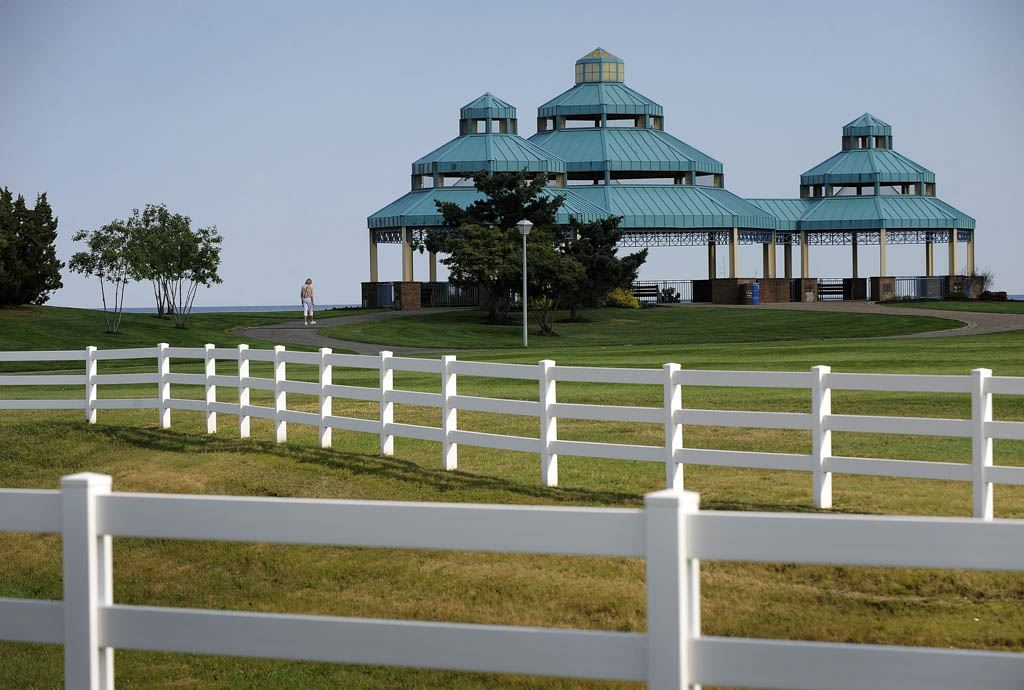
point(243, 308)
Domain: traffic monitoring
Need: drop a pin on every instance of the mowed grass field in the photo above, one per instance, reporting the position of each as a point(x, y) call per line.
point(850, 604)
point(994, 307)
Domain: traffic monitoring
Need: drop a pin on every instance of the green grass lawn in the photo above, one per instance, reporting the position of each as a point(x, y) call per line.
point(1008, 307)
point(631, 327)
point(849, 604)
point(62, 328)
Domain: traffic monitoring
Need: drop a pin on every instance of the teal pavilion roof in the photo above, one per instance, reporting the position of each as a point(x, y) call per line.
point(623, 148)
point(490, 151)
point(418, 209)
point(875, 163)
point(867, 125)
point(676, 206)
point(487, 106)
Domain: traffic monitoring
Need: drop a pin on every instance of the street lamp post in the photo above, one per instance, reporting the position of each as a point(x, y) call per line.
point(524, 227)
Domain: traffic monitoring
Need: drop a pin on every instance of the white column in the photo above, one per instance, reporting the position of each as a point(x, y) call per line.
point(90, 384)
point(881, 253)
point(326, 400)
point(243, 391)
point(981, 443)
point(387, 408)
point(209, 371)
point(673, 404)
point(673, 589)
point(163, 368)
point(280, 396)
point(821, 438)
point(449, 413)
point(548, 424)
point(88, 583)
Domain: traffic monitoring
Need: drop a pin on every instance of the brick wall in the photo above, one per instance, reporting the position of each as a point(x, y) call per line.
point(773, 290)
point(883, 288)
point(407, 295)
point(807, 289)
point(369, 295)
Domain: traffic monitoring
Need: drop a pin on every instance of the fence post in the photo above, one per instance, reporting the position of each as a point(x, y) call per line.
point(673, 404)
point(163, 367)
point(673, 589)
point(821, 438)
point(88, 583)
point(90, 384)
point(449, 413)
point(210, 370)
point(981, 444)
point(326, 401)
point(243, 391)
point(387, 408)
point(548, 424)
point(280, 396)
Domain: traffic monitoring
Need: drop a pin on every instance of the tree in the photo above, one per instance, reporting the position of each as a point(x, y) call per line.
point(174, 257)
point(29, 268)
point(594, 249)
point(552, 275)
point(107, 256)
point(481, 242)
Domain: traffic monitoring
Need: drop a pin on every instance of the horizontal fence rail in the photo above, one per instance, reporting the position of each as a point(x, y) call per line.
point(670, 533)
point(820, 381)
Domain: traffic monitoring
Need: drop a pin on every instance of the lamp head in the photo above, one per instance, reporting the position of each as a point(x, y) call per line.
point(524, 227)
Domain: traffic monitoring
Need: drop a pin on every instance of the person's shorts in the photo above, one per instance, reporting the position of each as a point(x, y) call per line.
point(307, 306)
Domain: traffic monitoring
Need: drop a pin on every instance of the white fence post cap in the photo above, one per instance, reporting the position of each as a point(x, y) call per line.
point(86, 479)
point(673, 497)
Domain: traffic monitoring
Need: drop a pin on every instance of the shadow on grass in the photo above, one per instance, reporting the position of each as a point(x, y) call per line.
point(390, 468)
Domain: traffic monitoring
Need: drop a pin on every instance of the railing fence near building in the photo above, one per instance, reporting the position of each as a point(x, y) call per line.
point(663, 291)
point(980, 385)
point(671, 533)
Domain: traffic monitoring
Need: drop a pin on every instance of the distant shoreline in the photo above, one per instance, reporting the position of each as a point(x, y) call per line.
point(244, 308)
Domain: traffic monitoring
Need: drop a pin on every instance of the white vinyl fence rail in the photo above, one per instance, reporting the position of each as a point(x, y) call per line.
point(981, 428)
point(670, 533)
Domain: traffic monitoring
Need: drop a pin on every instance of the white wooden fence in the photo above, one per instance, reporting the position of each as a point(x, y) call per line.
point(670, 533)
point(982, 473)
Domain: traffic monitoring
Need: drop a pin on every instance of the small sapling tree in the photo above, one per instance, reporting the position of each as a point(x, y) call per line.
point(108, 257)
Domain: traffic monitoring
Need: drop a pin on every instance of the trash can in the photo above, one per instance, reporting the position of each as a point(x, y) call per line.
point(750, 293)
point(756, 294)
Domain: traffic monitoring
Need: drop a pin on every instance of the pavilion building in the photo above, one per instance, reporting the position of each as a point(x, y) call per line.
point(603, 147)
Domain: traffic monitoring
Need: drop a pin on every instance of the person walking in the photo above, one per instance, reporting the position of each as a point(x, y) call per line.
point(306, 296)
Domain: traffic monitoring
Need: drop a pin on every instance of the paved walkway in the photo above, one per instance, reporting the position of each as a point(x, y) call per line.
point(294, 332)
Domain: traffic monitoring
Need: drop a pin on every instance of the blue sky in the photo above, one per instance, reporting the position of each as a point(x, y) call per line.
point(286, 124)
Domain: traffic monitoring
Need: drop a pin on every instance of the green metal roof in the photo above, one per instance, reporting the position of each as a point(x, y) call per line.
point(418, 210)
point(609, 98)
point(864, 166)
point(487, 106)
point(867, 125)
point(492, 152)
point(787, 212)
point(623, 148)
point(874, 212)
point(676, 206)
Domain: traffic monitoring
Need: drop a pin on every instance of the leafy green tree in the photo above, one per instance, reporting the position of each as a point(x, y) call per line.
point(108, 257)
point(594, 248)
point(481, 242)
point(29, 268)
point(176, 259)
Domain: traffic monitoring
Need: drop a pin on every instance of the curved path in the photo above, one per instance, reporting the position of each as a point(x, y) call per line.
point(294, 332)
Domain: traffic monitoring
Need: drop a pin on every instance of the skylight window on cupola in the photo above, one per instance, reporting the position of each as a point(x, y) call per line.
point(599, 66)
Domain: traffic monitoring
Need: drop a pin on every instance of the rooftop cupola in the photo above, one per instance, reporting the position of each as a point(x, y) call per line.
point(488, 113)
point(867, 132)
point(867, 165)
point(599, 65)
point(487, 141)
